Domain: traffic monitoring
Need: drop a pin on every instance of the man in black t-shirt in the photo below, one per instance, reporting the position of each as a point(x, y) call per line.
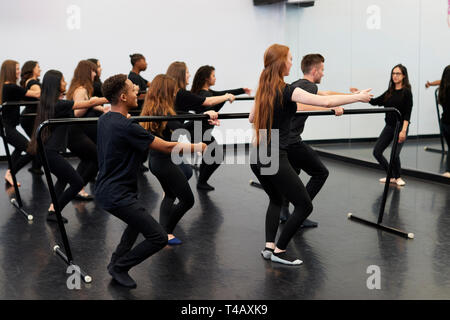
point(122, 144)
point(302, 156)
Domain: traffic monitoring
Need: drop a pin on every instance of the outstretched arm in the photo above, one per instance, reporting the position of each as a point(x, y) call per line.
point(302, 96)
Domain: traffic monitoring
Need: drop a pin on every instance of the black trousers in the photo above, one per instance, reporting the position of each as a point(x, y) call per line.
point(446, 133)
point(65, 174)
point(85, 149)
point(138, 220)
point(303, 157)
point(285, 183)
point(20, 144)
point(175, 185)
point(27, 124)
point(384, 140)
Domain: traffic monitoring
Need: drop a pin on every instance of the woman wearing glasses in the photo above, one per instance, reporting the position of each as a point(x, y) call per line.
point(398, 96)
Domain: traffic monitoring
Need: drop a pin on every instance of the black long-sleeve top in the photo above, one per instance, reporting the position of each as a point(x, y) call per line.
point(401, 99)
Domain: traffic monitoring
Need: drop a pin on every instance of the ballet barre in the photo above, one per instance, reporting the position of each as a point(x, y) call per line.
point(67, 256)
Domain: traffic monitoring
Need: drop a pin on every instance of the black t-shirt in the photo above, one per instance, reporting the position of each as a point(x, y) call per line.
point(58, 137)
point(283, 112)
point(186, 101)
point(217, 107)
point(401, 100)
point(171, 126)
point(122, 145)
point(138, 80)
point(31, 108)
point(11, 114)
point(298, 122)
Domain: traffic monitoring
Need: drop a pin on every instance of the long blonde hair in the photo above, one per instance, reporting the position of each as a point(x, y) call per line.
point(270, 87)
point(159, 101)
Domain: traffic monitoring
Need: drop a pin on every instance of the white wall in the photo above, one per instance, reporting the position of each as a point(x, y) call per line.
point(232, 35)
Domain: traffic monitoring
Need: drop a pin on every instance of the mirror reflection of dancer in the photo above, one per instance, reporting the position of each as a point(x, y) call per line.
point(275, 106)
point(444, 100)
point(398, 96)
point(122, 145)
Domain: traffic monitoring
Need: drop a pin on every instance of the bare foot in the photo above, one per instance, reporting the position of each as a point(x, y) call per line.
point(9, 179)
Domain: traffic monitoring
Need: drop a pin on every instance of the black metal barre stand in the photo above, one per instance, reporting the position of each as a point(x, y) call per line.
point(66, 255)
point(17, 200)
point(351, 216)
point(441, 136)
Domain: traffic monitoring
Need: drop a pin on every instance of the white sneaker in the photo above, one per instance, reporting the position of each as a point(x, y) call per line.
point(383, 180)
point(446, 174)
point(400, 182)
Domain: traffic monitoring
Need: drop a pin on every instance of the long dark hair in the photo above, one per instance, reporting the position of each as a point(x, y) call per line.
point(444, 87)
point(203, 73)
point(27, 72)
point(405, 82)
point(50, 93)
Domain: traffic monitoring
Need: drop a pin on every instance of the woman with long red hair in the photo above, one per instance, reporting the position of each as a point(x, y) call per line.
point(275, 105)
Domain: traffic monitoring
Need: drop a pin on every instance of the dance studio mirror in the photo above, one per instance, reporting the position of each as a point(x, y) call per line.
point(351, 62)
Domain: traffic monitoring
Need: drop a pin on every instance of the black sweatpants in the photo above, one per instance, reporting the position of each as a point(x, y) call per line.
point(138, 221)
point(175, 185)
point(85, 149)
point(66, 174)
point(384, 140)
point(285, 183)
point(303, 157)
point(446, 133)
point(20, 144)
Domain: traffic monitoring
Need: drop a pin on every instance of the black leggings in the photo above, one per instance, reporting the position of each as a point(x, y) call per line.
point(285, 183)
point(303, 157)
point(27, 124)
point(66, 174)
point(138, 221)
point(207, 169)
point(385, 139)
point(446, 133)
point(175, 186)
point(83, 147)
point(20, 144)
